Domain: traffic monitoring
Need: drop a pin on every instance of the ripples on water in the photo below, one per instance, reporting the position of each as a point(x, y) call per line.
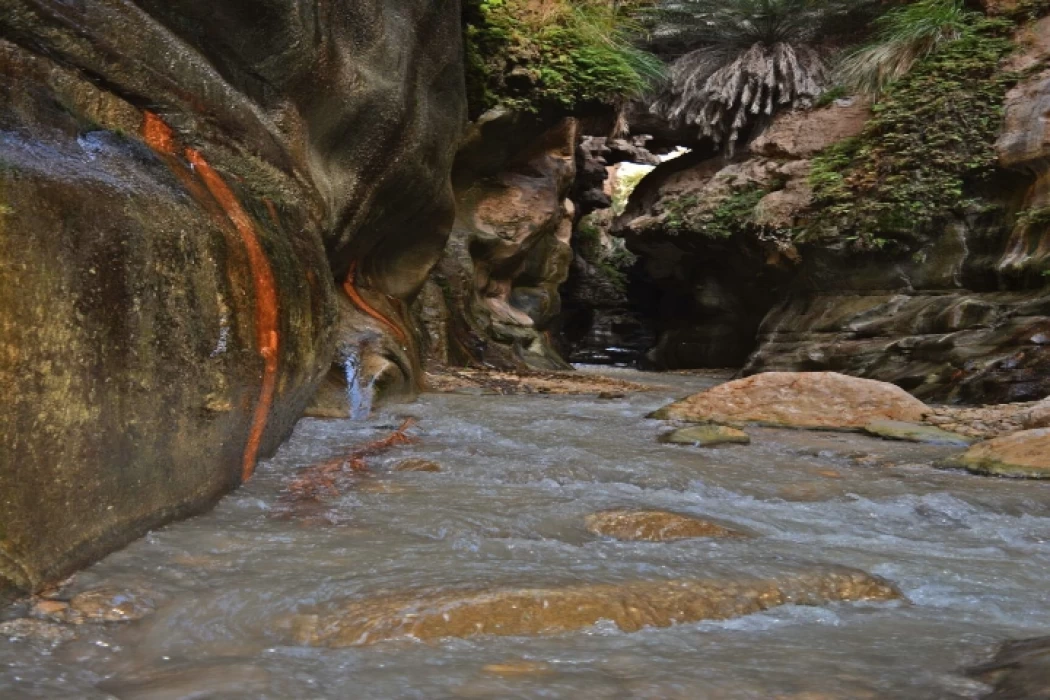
point(520, 474)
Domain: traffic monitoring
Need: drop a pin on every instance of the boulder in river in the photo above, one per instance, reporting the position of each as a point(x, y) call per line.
point(1025, 454)
point(631, 606)
point(914, 432)
point(653, 526)
point(1019, 671)
point(799, 400)
point(417, 465)
point(1038, 416)
point(708, 436)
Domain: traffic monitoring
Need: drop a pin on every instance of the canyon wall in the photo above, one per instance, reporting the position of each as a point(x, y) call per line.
point(962, 315)
point(202, 204)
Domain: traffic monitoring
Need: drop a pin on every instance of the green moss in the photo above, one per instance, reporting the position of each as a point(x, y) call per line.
point(563, 56)
point(734, 215)
point(930, 141)
point(1034, 217)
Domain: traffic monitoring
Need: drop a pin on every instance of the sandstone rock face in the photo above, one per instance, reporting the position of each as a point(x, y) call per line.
point(509, 249)
point(963, 317)
point(537, 611)
point(799, 400)
point(710, 292)
point(1025, 454)
point(652, 526)
point(181, 185)
point(966, 318)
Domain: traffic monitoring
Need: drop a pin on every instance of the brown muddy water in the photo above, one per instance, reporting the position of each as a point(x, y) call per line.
point(520, 474)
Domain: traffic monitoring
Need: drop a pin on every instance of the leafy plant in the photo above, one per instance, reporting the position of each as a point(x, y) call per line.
point(560, 55)
point(754, 57)
point(904, 35)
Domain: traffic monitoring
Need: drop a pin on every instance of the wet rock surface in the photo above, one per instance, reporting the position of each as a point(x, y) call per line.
point(1025, 454)
point(509, 249)
point(181, 185)
point(708, 436)
point(1020, 670)
point(653, 526)
point(417, 465)
point(913, 432)
point(37, 631)
point(798, 400)
point(630, 606)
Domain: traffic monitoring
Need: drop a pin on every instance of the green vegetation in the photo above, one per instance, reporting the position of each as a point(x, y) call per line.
point(904, 36)
point(1034, 217)
point(755, 57)
point(732, 216)
point(561, 55)
point(930, 140)
point(613, 261)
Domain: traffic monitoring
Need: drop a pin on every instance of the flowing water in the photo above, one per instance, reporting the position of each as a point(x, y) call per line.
point(519, 476)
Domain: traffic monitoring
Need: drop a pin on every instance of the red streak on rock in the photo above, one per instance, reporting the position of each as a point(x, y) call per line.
point(266, 319)
point(161, 138)
point(157, 134)
point(351, 291)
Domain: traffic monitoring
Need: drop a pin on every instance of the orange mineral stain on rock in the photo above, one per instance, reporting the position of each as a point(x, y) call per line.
point(161, 138)
point(157, 134)
point(349, 286)
point(266, 333)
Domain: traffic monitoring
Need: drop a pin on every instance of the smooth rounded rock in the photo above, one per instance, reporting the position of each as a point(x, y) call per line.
point(798, 400)
point(653, 526)
point(914, 432)
point(631, 606)
point(708, 436)
point(1022, 455)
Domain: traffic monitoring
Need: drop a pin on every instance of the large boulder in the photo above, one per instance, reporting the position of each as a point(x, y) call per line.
point(631, 606)
point(799, 400)
point(182, 184)
point(1024, 454)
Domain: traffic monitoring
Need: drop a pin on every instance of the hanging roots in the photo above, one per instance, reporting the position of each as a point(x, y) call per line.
point(322, 480)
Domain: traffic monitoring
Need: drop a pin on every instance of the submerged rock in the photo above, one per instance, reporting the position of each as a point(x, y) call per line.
point(417, 465)
point(104, 604)
point(1025, 454)
point(39, 631)
point(913, 432)
point(653, 526)
point(631, 606)
point(708, 436)
point(1019, 671)
point(799, 400)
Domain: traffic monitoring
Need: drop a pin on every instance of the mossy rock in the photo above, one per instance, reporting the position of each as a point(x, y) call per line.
point(1022, 455)
point(708, 436)
point(915, 432)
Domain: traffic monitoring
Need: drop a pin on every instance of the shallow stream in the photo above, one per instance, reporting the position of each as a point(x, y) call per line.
point(520, 474)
